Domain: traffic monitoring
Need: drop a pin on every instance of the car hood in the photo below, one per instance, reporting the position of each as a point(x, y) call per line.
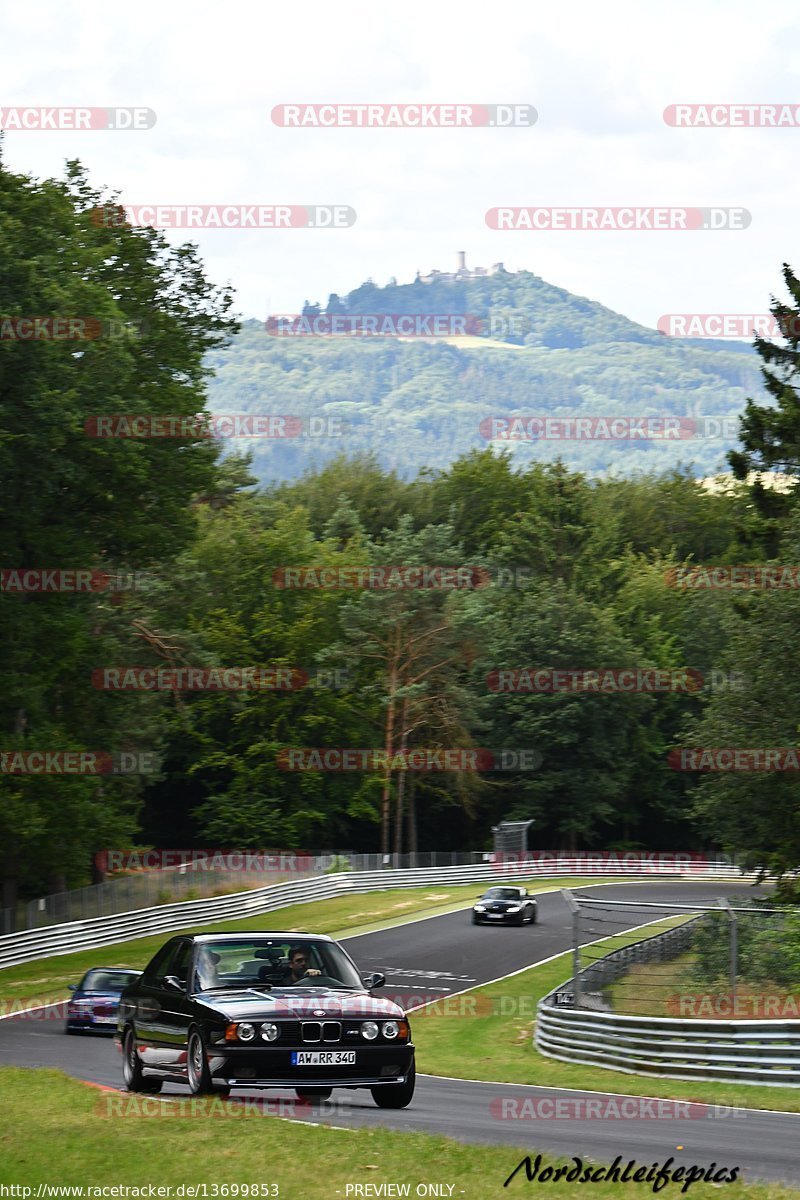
point(253, 1004)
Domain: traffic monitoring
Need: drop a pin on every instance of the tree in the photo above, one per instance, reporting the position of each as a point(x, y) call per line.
point(771, 433)
point(481, 495)
point(407, 646)
point(73, 500)
point(754, 814)
point(590, 744)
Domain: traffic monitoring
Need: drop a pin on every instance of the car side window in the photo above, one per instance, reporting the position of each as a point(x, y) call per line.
point(179, 965)
point(155, 971)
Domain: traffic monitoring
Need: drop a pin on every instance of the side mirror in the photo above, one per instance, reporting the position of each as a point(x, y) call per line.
point(375, 980)
point(173, 983)
point(72, 987)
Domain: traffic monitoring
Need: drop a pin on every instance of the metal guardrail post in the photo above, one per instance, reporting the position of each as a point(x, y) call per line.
point(576, 947)
point(733, 965)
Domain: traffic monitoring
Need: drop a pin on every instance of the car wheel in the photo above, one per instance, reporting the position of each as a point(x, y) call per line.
point(132, 1072)
point(69, 1029)
point(475, 920)
point(197, 1066)
point(396, 1095)
point(314, 1093)
point(533, 916)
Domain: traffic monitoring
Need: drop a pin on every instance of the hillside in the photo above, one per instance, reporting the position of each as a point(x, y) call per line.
point(540, 351)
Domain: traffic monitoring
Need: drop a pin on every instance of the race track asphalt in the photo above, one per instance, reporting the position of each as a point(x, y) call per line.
point(439, 956)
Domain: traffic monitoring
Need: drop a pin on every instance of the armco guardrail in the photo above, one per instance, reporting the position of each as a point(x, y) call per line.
point(755, 1052)
point(32, 944)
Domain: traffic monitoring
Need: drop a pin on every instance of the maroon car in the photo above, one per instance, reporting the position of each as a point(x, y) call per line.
point(260, 1010)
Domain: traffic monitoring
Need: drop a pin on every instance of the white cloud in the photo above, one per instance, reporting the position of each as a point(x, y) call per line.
point(599, 75)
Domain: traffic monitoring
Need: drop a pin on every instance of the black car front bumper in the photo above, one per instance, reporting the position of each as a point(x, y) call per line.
point(499, 918)
point(263, 1066)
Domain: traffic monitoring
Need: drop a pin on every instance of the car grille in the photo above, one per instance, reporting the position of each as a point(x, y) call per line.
point(305, 1033)
point(321, 1031)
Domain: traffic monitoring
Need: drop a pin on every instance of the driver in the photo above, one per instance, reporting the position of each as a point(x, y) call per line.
point(298, 965)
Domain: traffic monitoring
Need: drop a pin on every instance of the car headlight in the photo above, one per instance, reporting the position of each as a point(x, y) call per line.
point(514, 908)
point(479, 907)
point(390, 1029)
point(369, 1030)
point(270, 1032)
point(245, 1032)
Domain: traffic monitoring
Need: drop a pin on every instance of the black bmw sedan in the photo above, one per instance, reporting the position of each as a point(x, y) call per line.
point(504, 906)
point(259, 1010)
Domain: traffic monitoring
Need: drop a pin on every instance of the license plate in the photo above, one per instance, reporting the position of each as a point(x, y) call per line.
point(323, 1058)
point(105, 1020)
point(497, 916)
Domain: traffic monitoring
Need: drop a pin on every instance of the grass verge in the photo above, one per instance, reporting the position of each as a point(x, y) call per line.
point(54, 1131)
point(46, 979)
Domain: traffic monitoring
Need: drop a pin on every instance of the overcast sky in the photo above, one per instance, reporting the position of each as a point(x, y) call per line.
point(599, 75)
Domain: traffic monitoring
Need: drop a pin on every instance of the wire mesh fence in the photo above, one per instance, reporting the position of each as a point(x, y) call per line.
point(724, 961)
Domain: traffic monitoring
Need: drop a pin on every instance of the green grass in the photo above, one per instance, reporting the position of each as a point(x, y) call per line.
point(47, 978)
point(54, 1131)
point(487, 1034)
point(671, 989)
point(648, 989)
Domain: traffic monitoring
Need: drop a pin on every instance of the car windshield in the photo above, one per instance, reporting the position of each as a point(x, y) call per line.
point(107, 980)
point(273, 963)
point(500, 893)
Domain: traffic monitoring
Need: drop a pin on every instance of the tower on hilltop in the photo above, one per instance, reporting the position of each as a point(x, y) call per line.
point(462, 272)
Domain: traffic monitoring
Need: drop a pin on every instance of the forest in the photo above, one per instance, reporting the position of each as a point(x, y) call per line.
point(388, 598)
